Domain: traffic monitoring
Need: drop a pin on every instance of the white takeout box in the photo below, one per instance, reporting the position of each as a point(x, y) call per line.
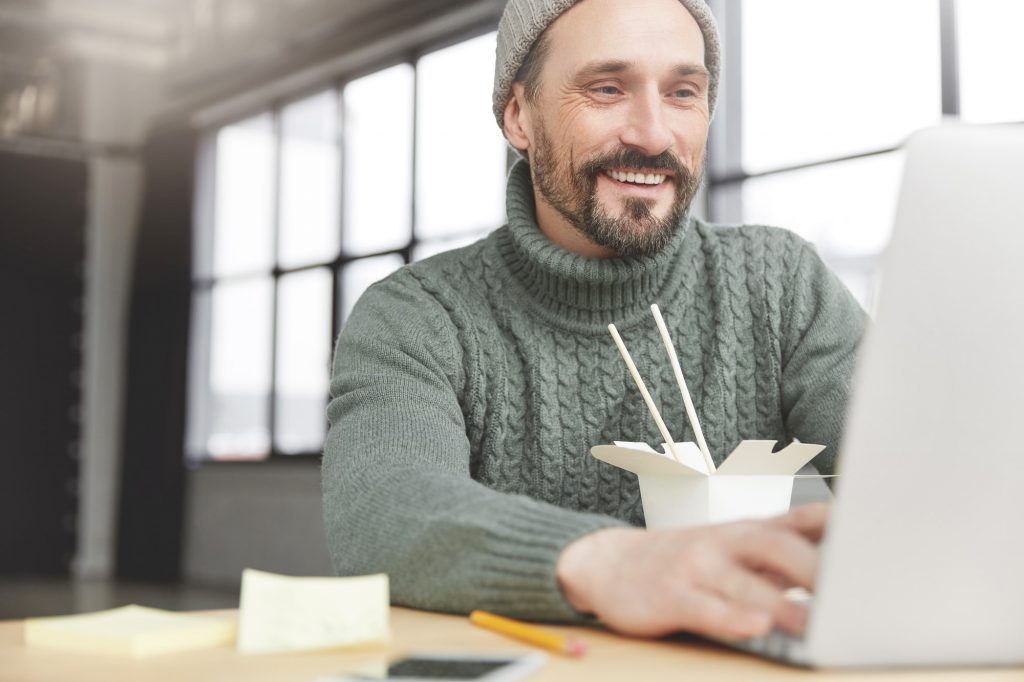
point(753, 482)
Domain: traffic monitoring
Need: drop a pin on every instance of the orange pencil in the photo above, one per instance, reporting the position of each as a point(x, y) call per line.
point(528, 633)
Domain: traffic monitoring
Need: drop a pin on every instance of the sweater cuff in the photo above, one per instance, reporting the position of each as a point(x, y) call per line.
point(516, 574)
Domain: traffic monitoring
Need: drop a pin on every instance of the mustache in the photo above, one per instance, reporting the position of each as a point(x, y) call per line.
point(631, 159)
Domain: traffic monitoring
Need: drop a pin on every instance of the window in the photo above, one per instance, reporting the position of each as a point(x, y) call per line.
point(244, 209)
point(828, 79)
point(378, 142)
point(991, 54)
point(827, 93)
point(462, 188)
point(310, 171)
point(301, 208)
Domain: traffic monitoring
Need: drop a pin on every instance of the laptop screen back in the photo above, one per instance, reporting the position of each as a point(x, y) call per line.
point(925, 558)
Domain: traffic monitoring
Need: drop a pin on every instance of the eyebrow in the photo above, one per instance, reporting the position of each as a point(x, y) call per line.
point(594, 69)
point(691, 70)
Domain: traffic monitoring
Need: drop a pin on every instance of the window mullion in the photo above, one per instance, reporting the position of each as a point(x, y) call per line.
point(725, 146)
point(336, 293)
point(278, 129)
point(413, 228)
point(950, 58)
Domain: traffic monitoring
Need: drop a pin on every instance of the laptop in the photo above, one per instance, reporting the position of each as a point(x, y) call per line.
point(923, 563)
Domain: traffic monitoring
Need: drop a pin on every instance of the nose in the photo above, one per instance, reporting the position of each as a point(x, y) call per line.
point(647, 129)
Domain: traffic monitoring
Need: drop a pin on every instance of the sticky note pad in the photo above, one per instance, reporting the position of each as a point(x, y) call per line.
point(283, 613)
point(134, 631)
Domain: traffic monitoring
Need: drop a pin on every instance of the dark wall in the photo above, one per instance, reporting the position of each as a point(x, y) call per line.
point(42, 223)
point(150, 517)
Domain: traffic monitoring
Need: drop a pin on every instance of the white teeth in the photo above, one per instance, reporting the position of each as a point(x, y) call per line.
point(638, 178)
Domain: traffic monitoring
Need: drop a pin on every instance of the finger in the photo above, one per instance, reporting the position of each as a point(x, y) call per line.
point(780, 581)
point(710, 615)
point(751, 591)
point(747, 590)
point(782, 552)
point(809, 520)
point(792, 618)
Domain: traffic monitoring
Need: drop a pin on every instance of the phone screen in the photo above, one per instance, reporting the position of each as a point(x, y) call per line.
point(443, 668)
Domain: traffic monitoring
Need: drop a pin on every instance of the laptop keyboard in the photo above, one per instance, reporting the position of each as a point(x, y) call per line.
point(777, 645)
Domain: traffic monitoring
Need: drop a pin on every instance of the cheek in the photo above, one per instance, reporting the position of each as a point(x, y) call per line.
point(691, 132)
point(585, 129)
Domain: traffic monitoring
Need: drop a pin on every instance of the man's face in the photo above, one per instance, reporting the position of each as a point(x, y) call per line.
point(618, 129)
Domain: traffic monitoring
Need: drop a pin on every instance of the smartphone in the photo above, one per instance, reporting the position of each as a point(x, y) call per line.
point(455, 668)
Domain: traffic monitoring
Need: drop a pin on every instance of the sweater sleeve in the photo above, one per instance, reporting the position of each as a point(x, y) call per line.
point(397, 492)
point(823, 325)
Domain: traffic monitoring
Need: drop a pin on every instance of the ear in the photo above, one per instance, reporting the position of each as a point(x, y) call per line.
point(517, 125)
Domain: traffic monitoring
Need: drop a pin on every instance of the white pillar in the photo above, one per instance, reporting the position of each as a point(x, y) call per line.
point(118, 101)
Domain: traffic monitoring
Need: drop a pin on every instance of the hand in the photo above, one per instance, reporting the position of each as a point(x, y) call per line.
point(724, 581)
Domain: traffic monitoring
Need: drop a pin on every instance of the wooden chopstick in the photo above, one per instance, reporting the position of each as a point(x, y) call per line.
point(643, 391)
point(690, 411)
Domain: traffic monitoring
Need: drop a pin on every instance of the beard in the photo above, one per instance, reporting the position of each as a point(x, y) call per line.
point(571, 190)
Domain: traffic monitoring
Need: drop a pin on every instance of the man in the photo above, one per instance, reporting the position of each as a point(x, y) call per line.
point(468, 388)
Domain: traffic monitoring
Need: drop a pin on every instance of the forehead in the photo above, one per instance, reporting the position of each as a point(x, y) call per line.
point(650, 33)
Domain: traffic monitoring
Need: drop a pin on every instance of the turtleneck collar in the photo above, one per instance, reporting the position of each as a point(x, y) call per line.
point(568, 285)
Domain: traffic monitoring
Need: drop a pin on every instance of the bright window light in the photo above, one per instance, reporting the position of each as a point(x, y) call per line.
point(378, 161)
point(460, 159)
point(240, 342)
point(310, 169)
point(303, 360)
point(991, 58)
point(828, 79)
point(244, 197)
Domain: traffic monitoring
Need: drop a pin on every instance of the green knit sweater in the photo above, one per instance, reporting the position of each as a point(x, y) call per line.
point(468, 389)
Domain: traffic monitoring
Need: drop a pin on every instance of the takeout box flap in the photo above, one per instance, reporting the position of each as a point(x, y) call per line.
point(750, 458)
point(755, 457)
point(643, 460)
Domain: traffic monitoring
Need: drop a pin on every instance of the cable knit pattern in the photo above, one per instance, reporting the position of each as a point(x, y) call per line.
point(468, 388)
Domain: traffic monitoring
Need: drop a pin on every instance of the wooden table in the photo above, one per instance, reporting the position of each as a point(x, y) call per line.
point(610, 657)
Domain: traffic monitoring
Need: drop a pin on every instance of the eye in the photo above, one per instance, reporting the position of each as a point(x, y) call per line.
point(609, 90)
point(684, 93)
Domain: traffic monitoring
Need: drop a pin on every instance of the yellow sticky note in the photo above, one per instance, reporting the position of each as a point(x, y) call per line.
point(283, 613)
point(134, 631)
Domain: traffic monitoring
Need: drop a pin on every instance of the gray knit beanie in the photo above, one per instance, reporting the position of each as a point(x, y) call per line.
point(523, 21)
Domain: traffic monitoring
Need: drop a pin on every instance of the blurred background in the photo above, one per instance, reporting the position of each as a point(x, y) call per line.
point(194, 193)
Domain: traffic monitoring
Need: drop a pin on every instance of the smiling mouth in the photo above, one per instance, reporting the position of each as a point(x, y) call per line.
point(637, 177)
